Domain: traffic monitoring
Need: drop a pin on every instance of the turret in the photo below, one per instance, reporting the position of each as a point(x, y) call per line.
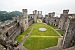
point(40, 12)
point(51, 14)
point(65, 12)
point(25, 19)
point(35, 12)
point(24, 13)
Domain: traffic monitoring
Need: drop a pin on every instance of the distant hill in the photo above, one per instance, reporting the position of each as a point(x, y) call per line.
point(4, 15)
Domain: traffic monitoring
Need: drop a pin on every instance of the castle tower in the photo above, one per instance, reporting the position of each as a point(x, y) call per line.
point(63, 19)
point(40, 14)
point(35, 12)
point(51, 14)
point(25, 19)
point(65, 13)
point(69, 37)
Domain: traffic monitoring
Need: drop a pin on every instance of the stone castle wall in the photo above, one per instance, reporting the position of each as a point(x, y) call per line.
point(69, 38)
point(66, 23)
point(50, 19)
point(11, 30)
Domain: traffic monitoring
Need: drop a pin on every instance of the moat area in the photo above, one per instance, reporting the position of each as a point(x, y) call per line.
point(39, 40)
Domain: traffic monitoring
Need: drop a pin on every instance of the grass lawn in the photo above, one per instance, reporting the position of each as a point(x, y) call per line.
point(38, 43)
point(48, 32)
point(61, 32)
point(19, 38)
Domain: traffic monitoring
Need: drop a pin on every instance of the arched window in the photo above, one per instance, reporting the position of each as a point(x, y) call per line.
point(7, 34)
point(0, 32)
point(18, 24)
point(55, 20)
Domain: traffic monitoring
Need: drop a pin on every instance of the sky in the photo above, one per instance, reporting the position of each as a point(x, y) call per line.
point(46, 6)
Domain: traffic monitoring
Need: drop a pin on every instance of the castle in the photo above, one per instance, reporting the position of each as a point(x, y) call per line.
point(11, 29)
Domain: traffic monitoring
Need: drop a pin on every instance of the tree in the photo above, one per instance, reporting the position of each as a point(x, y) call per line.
point(4, 15)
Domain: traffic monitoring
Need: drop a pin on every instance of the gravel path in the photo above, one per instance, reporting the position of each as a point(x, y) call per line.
point(21, 47)
point(44, 36)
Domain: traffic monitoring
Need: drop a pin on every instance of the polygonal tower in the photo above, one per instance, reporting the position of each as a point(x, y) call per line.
point(51, 14)
point(65, 13)
point(40, 14)
point(63, 19)
point(25, 19)
point(35, 12)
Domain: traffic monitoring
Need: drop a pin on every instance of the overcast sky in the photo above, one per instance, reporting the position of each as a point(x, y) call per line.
point(43, 5)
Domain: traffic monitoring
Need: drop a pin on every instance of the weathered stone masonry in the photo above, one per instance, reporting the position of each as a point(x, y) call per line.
point(69, 37)
point(66, 22)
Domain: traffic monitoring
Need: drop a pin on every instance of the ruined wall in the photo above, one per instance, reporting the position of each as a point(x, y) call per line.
point(35, 12)
point(50, 19)
point(47, 20)
point(30, 22)
point(69, 37)
point(9, 33)
point(54, 21)
point(9, 30)
point(63, 19)
point(24, 19)
point(61, 22)
point(40, 14)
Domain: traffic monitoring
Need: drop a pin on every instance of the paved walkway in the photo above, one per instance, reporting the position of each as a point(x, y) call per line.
point(57, 29)
point(44, 36)
point(59, 42)
point(21, 47)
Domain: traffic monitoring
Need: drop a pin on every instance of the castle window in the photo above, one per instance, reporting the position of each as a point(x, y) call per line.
point(55, 20)
point(18, 24)
point(7, 34)
point(2, 27)
point(31, 16)
point(0, 33)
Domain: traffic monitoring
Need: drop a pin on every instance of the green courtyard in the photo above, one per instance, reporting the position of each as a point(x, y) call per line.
point(40, 40)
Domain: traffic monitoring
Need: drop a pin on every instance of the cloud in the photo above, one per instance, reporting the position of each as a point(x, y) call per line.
point(44, 5)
